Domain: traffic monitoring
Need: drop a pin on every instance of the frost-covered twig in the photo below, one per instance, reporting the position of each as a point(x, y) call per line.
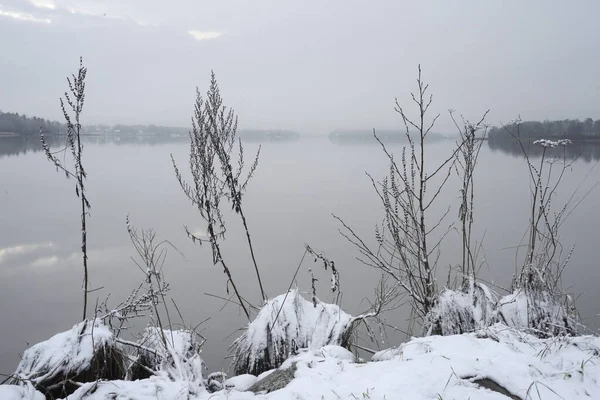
point(467, 157)
point(75, 99)
point(327, 264)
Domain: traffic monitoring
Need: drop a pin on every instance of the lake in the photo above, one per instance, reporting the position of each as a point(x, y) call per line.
point(289, 203)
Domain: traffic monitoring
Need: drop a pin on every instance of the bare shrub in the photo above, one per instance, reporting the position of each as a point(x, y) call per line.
point(472, 305)
point(468, 154)
point(162, 349)
point(538, 300)
point(215, 178)
point(406, 251)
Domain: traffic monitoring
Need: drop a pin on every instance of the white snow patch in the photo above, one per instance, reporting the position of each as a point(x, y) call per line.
point(241, 382)
point(266, 373)
point(69, 352)
point(152, 388)
point(514, 309)
point(25, 392)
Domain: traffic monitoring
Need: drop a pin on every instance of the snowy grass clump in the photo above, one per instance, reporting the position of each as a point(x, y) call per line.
point(535, 308)
point(459, 312)
point(85, 353)
point(285, 324)
point(172, 353)
point(539, 303)
point(538, 310)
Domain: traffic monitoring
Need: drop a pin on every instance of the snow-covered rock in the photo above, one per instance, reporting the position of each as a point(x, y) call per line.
point(277, 380)
point(85, 353)
point(68, 352)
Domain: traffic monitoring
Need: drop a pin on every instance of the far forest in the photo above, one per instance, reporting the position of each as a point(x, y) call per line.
point(573, 129)
point(21, 124)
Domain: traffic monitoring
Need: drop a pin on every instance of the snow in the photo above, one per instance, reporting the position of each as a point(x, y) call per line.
point(65, 353)
point(514, 309)
point(14, 392)
point(265, 374)
point(285, 324)
point(241, 382)
point(433, 367)
point(144, 389)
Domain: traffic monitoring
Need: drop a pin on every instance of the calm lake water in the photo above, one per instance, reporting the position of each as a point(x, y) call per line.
point(297, 187)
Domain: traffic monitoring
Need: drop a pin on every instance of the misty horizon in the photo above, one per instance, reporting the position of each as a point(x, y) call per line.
point(299, 66)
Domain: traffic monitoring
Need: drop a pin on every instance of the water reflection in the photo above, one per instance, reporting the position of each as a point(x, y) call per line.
point(22, 144)
point(297, 187)
point(585, 151)
point(10, 253)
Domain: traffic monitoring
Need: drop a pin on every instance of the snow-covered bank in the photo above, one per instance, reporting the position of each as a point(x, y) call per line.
point(434, 367)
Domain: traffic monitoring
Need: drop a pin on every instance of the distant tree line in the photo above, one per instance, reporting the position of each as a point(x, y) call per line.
point(573, 129)
point(22, 124)
point(135, 129)
point(366, 136)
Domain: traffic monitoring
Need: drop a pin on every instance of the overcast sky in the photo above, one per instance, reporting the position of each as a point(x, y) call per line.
point(312, 66)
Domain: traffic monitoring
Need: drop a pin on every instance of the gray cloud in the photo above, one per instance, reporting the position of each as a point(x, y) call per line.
point(310, 66)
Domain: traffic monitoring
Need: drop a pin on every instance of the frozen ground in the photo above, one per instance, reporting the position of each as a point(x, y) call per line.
point(432, 367)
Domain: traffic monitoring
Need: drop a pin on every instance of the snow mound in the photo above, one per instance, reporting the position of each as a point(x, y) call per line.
point(519, 365)
point(560, 367)
point(338, 352)
point(145, 389)
point(67, 352)
point(285, 324)
point(85, 353)
point(14, 392)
